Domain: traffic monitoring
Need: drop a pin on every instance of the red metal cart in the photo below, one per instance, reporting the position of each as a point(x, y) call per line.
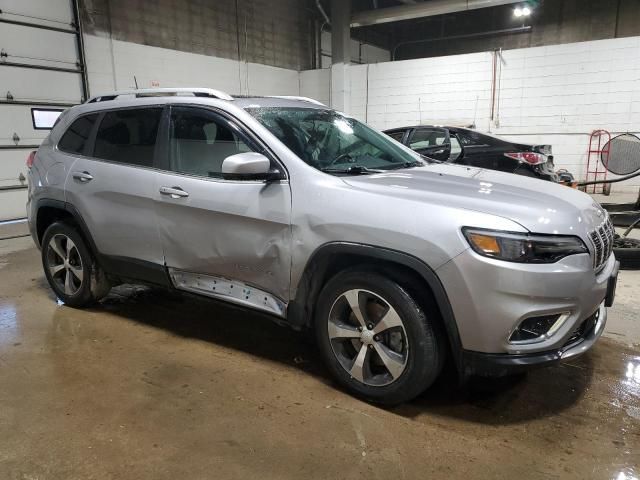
point(597, 161)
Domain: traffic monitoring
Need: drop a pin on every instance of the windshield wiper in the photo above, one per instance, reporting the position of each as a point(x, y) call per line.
point(406, 165)
point(353, 170)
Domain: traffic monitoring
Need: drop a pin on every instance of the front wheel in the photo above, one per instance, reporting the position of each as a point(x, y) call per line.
point(375, 338)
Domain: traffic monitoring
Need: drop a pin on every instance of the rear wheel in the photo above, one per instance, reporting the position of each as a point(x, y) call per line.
point(375, 339)
point(70, 268)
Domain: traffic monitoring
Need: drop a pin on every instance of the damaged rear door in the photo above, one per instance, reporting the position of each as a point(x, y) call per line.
point(224, 238)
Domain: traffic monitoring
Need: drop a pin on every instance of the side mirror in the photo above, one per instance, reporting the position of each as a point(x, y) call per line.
point(248, 165)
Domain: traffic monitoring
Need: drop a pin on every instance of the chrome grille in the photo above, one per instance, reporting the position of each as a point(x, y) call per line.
point(602, 241)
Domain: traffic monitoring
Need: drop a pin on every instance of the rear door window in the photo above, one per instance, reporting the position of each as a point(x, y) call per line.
point(428, 137)
point(128, 136)
point(75, 138)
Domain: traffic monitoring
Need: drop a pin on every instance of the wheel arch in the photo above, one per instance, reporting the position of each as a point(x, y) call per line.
point(49, 211)
point(331, 258)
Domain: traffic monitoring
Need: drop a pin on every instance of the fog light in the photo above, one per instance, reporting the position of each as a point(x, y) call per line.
point(536, 329)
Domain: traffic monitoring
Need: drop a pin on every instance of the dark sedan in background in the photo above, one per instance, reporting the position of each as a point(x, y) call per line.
point(468, 147)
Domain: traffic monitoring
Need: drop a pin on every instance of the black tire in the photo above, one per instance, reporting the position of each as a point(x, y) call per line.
point(87, 283)
point(422, 354)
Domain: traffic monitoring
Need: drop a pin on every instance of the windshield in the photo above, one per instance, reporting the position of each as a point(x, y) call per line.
point(334, 143)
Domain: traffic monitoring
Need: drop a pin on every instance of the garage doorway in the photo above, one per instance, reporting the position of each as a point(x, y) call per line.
point(41, 73)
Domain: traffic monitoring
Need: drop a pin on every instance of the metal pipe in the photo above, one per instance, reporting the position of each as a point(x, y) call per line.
point(422, 9)
point(323, 13)
point(80, 49)
point(493, 85)
point(490, 33)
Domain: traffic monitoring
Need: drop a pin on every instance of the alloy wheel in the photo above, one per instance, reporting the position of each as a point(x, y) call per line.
point(65, 264)
point(368, 337)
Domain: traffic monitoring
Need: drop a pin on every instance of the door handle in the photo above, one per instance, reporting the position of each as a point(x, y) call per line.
point(174, 192)
point(82, 176)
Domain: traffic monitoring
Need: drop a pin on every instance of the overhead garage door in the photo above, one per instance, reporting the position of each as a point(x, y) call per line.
point(41, 72)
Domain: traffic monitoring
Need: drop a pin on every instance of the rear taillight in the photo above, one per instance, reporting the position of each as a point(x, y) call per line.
point(531, 158)
point(31, 158)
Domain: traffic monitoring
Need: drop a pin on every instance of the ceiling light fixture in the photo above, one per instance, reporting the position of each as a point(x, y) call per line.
point(521, 12)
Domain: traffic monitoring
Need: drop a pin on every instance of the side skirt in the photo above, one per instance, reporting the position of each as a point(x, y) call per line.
point(232, 291)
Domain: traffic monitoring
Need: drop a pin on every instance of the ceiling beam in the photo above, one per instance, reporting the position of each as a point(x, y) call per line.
point(419, 10)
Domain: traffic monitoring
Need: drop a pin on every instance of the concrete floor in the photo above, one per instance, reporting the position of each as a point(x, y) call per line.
point(150, 386)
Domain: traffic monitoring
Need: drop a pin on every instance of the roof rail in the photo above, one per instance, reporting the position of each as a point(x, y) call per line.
point(162, 92)
point(303, 99)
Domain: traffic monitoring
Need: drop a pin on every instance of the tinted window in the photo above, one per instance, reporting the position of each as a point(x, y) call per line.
point(128, 136)
point(398, 136)
point(428, 138)
point(200, 141)
point(75, 138)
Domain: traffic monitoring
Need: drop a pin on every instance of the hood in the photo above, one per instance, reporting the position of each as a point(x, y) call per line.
point(539, 206)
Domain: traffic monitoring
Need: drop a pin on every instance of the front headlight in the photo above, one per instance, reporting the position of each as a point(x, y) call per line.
point(522, 247)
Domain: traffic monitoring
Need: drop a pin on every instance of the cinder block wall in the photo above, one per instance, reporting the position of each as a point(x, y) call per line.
point(279, 33)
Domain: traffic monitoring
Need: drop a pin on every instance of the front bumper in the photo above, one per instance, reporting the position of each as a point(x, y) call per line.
point(490, 298)
point(488, 364)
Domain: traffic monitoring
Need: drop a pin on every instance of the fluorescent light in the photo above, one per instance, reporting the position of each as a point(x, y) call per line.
point(517, 12)
point(526, 11)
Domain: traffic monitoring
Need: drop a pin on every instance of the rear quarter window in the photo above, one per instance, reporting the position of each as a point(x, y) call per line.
point(75, 138)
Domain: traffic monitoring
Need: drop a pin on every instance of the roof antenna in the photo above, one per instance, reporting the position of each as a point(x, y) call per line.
point(135, 80)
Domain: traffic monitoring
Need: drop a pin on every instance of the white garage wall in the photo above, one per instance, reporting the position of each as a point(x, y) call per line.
point(112, 65)
point(555, 94)
point(316, 84)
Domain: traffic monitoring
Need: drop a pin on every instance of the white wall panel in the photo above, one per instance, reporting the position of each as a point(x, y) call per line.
point(40, 85)
point(14, 163)
point(13, 204)
point(37, 46)
point(17, 119)
point(47, 12)
point(112, 65)
point(316, 84)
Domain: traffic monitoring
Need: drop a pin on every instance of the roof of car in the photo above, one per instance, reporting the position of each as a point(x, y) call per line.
point(277, 101)
point(241, 101)
point(449, 127)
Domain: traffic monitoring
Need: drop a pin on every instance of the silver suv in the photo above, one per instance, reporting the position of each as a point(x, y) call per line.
point(280, 204)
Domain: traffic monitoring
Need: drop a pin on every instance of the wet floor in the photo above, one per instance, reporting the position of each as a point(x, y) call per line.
point(155, 386)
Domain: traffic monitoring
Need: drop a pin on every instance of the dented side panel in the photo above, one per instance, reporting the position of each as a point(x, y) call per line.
point(231, 229)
